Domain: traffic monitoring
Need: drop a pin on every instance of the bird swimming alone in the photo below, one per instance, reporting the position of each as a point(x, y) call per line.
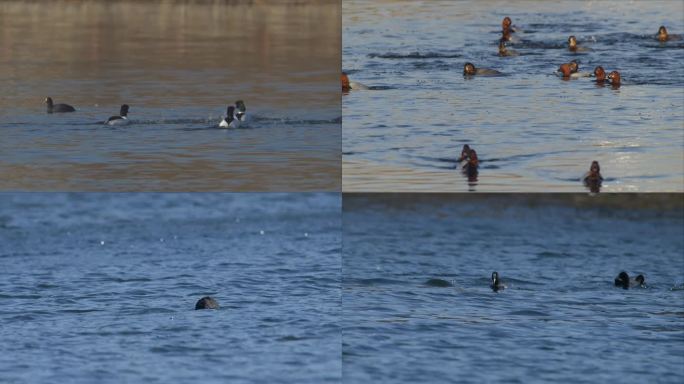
point(497, 284)
point(121, 119)
point(662, 34)
point(206, 302)
point(348, 85)
point(469, 69)
point(622, 280)
point(230, 121)
point(593, 178)
point(58, 108)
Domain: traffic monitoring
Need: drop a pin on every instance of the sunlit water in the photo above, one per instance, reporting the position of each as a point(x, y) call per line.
point(532, 131)
point(561, 319)
point(178, 65)
point(102, 288)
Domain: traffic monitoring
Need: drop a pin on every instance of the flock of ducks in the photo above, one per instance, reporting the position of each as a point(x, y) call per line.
point(622, 280)
point(591, 179)
point(236, 114)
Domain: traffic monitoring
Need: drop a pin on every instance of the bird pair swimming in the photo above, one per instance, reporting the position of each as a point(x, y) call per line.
point(622, 280)
point(121, 119)
point(235, 115)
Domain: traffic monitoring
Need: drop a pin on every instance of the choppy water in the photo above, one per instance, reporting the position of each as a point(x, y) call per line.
point(102, 287)
point(178, 65)
point(533, 131)
point(561, 319)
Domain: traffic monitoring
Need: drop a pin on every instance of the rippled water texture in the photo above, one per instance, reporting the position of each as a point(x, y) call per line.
point(532, 131)
point(560, 319)
point(178, 65)
point(102, 288)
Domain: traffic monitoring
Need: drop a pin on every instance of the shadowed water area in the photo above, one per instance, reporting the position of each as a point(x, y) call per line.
point(178, 65)
point(532, 130)
point(417, 306)
point(102, 288)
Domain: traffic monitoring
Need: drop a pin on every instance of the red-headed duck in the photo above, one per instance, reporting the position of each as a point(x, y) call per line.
point(470, 70)
point(350, 85)
point(464, 153)
point(345, 83)
point(600, 74)
point(470, 167)
point(662, 34)
point(506, 23)
point(614, 78)
point(571, 71)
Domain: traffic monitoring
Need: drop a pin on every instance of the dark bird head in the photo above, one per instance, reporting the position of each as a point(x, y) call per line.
point(124, 110)
point(622, 280)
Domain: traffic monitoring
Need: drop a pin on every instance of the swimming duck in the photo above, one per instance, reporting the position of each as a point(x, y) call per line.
point(593, 178)
point(240, 111)
point(58, 108)
point(122, 119)
point(507, 23)
point(571, 71)
point(614, 78)
point(600, 74)
point(573, 47)
point(496, 284)
point(230, 121)
point(503, 51)
point(622, 280)
point(470, 70)
point(464, 153)
point(470, 167)
point(206, 302)
point(662, 34)
point(351, 85)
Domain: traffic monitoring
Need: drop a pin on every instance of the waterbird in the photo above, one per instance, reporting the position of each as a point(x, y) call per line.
point(58, 108)
point(614, 78)
point(230, 121)
point(469, 69)
point(622, 280)
point(240, 111)
point(121, 119)
point(206, 302)
point(496, 284)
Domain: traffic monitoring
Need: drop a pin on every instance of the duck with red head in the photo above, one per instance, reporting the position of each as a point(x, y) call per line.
point(469, 69)
point(464, 153)
point(662, 34)
point(614, 78)
point(348, 85)
point(345, 83)
point(471, 166)
point(571, 71)
point(506, 23)
point(600, 74)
